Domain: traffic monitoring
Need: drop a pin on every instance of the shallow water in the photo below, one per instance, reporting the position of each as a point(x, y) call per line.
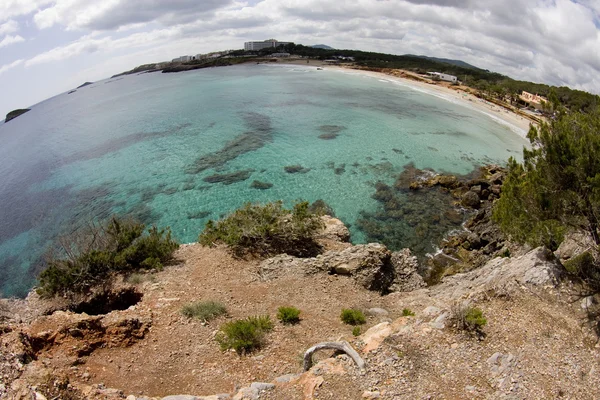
point(179, 149)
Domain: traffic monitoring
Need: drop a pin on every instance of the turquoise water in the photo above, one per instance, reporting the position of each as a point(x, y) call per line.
point(143, 145)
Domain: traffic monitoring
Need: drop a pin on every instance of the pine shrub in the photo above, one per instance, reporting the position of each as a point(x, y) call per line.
point(266, 230)
point(288, 315)
point(244, 335)
point(352, 317)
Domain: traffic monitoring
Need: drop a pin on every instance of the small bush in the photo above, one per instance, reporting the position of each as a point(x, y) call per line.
point(266, 230)
point(356, 331)
point(204, 310)
point(407, 313)
point(288, 315)
point(468, 318)
point(88, 259)
point(352, 317)
point(244, 335)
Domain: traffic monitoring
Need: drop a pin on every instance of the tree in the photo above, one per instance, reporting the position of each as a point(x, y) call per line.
point(557, 187)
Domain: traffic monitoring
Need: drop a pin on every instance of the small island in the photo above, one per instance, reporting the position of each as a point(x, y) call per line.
point(85, 84)
point(15, 113)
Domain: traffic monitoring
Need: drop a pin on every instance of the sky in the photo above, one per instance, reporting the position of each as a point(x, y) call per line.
point(51, 46)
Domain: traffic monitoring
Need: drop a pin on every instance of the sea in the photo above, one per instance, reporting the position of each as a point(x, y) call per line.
point(177, 150)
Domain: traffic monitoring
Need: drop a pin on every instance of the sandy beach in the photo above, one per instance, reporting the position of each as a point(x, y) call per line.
point(517, 123)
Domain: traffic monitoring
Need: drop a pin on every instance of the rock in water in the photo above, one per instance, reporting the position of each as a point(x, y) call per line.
point(15, 113)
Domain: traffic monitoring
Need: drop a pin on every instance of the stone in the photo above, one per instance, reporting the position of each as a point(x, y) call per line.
point(587, 302)
point(39, 396)
point(406, 271)
point(377, 312)
point(373, 337)
point(260, 386)
point(334, 229)
point(286, 378)
point(181, 397)
point(431, 311)
point(470, 199)
point(574, 244)
point(371, 395)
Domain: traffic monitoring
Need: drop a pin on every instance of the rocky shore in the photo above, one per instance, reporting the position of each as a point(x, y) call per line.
point(132, 342)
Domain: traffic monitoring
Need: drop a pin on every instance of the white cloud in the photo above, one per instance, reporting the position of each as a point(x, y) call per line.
point(10, 26)
point(12, 65)
point(115, 14)
point(554, 41)
point(14, 8)
point(8, 40)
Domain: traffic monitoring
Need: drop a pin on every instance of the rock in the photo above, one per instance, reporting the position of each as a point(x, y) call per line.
point(181, 397)
point(574, 244)
point(373, 337)
point(286, 378)
point(538, 267)
point(440, 321)
point(432, 311)
point(39, 396)
point(476, 189)
point(377, 312)
point(334, 229)
point(371, 395)
point(130, 397)
point(587, 302)
point(470, 199)
point(260, 386)
point(15, 113)
point(247, 394)
point(407, 277)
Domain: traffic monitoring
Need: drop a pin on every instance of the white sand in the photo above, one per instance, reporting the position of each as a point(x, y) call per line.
point(517, 123)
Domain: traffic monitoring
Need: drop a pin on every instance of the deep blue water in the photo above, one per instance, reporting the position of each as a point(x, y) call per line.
point(143, 145)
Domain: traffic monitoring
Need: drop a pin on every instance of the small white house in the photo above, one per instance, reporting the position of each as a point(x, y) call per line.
point(443, 77)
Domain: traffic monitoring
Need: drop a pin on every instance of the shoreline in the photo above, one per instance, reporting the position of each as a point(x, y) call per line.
point(517, 123)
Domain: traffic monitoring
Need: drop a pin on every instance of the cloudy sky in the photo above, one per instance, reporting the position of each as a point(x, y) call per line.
point(50, 46)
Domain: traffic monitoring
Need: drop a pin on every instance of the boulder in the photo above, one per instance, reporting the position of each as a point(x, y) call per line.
point(470, 199)
point(406, 273)
point(575, 243)
point(334, 229)
point(370, 265)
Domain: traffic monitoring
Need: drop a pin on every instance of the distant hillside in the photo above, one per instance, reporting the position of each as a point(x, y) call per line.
point(322, 46)
point(458, 63)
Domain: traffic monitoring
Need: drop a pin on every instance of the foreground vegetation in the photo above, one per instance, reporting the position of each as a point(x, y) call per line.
point(266, 230)
point(91, 258)
point(244, 335)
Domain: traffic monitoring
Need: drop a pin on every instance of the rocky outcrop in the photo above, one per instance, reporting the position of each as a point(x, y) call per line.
point(15, 113)
point(575, 243)
point(372, 266)
point(538, 267)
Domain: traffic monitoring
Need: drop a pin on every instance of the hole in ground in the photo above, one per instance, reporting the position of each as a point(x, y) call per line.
point(105, 302)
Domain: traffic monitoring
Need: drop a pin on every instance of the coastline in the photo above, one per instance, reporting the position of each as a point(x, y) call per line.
point(517, 123)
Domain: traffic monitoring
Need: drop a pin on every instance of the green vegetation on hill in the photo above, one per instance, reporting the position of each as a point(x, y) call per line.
point(266, 230)
point(91, 258)
point(556, 188)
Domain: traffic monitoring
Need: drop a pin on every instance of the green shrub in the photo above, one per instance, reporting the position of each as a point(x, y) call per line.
point(244, 335)
point(352, 317)
point(579, 263)
point(468, 318)
point(356, 331)
point(266, 230)
point(288, 315)
point(87, 259)
point(407, 313)
point(204, 310)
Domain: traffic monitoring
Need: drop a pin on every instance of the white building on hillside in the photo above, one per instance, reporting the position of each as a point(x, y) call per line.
point(265, 44)
point(184, 59)
point(443, 77)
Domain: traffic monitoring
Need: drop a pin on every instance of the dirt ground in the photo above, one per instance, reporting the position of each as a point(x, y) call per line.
point(543, 346)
